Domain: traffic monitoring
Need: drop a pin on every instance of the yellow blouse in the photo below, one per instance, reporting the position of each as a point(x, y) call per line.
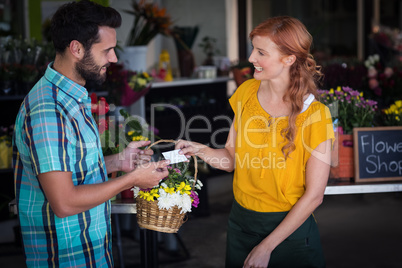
point(263, 180)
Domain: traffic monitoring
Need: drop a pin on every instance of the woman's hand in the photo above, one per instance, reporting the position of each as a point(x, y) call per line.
point(258, 257)
point(189, 148)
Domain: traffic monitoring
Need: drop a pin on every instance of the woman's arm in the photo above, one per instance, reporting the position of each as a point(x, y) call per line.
point(317, 172)
point(223, 159)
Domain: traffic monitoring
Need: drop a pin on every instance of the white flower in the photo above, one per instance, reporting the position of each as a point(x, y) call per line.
point(199, 185)
point(185, 203)
point(165, 201)
point(136, 191)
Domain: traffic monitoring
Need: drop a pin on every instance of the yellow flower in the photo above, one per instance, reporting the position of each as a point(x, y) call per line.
point(131, 132)
point(184, 188)
point(338, 89)
point(142, 82)
point(145, 74)
point(149, 196)
point(398, 103)
point(169, 190)
point(139, 138)
point(331, 91)
point(397, 118)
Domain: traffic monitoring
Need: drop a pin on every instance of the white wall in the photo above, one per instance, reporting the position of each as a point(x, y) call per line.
point(208, 15)
point(212, 17)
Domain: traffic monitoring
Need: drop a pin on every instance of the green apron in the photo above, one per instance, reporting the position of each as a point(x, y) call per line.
point(246, 229)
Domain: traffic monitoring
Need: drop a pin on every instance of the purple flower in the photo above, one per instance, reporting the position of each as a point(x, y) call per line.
point(195, 198)
point(347, 89)
point(146, 190)
point(354, 93)
point(338, 92)
point(371, 103)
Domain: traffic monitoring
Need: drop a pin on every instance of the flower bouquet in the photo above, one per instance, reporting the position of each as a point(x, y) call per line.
point(136, 86)
point(163, 207)
point(150, 20)
point(125, 87)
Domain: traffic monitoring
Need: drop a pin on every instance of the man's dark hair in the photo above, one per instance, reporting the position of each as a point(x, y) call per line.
point(80, 21)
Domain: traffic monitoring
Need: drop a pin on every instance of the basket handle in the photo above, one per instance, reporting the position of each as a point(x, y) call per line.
point(194, 158)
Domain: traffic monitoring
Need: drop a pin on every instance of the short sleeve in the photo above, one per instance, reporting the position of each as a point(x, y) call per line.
point(317, 127)
point(46, 130)
point(240, 97)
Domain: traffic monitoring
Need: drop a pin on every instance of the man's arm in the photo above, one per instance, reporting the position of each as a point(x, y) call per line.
point(66, 199)
point(129, 158)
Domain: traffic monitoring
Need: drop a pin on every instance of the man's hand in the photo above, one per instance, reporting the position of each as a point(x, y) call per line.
point(132, 156)
point(148, 175)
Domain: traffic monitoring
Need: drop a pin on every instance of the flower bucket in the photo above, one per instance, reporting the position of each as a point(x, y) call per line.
point(342, 166)
point(150, 216)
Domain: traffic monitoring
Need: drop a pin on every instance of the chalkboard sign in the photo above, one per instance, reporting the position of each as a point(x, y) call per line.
point(378, 154)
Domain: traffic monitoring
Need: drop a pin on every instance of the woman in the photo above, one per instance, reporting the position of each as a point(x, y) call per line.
point(279, 146)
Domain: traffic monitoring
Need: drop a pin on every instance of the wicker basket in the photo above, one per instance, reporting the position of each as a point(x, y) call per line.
point(149, 216)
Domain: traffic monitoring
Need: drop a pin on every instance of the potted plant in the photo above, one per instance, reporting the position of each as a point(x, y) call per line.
point(184, 38)
point(149, 21)
point(208, 45)
point(7, 78)
point(349, 109)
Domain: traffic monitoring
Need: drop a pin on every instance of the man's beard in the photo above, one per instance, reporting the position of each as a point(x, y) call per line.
point(89, 70)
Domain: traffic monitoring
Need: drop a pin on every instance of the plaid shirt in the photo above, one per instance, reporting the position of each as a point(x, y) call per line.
point(55, 131)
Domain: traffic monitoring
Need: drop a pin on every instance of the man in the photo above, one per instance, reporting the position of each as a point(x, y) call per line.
point(61, 184)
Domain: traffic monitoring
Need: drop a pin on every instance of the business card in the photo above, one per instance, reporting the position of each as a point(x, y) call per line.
point(174, 156)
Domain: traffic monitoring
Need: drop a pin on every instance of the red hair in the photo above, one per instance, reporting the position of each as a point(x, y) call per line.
point(292, 38)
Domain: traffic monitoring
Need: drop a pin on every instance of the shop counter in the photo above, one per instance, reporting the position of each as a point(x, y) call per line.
point(347, 187)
